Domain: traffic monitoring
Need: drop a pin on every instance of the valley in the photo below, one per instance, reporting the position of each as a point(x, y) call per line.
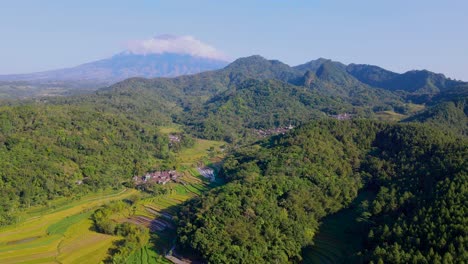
point(233, 132)
point(257, 162)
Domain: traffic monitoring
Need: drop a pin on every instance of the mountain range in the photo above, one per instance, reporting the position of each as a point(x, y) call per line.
point(270, 93)
point(253, 92)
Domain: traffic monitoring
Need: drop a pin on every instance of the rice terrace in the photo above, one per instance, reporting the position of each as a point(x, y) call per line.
point(63, 231)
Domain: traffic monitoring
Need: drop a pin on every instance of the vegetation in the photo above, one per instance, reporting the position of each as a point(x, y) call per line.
point(279, 190)
point(69, 150)
point(61, 232)
point(419, 213)
point(448, 115)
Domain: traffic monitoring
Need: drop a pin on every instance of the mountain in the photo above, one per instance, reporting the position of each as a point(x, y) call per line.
point(415, 81)
point(445, 115)
point(94, 75)
point(123, 66)
point(257, 93)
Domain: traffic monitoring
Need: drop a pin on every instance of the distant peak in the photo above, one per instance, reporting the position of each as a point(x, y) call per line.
point(315, 65)
point(257, 61)
point(167, 43)
point(250, 59)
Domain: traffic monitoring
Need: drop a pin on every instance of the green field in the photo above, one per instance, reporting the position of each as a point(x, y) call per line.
point(146, 255)
point(389, 116)
point(59, 234)
point(392, 116)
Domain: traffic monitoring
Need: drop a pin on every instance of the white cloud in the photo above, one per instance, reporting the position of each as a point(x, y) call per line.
point(175, 44)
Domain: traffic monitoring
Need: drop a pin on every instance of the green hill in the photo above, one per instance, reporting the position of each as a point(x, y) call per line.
point(279, 189)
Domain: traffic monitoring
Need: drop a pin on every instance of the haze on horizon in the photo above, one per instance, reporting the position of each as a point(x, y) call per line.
point(397, 35)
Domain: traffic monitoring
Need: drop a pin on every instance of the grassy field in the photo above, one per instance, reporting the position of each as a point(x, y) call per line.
point(392, 116)
point(60, 233)
point(161, 208)
point(170, 129)
point(200, 152)
point(389, 116)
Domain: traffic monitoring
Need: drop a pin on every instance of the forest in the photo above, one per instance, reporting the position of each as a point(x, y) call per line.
point(279, 189)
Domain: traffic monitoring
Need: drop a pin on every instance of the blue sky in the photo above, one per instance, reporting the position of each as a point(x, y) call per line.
point(397, 35)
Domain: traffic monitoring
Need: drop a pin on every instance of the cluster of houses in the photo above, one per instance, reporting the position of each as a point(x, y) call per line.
point(273, 131)
point(159, 177)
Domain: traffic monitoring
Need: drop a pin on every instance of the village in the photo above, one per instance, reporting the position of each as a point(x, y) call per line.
point(273, 131)
point(159, 177)
point(163, 177)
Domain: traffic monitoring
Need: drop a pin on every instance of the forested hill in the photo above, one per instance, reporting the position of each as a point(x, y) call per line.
point(279, 189)
point(415, 81)
point(256, 93)
point(49, 151)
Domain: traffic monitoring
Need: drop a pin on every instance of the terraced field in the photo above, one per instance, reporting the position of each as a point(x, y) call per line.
point(146, 255)
point(62, 234)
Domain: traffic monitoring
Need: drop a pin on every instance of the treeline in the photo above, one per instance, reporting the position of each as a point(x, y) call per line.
point(280, 188)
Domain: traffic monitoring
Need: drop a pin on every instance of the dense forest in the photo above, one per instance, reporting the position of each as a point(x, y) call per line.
point(51, 151)
point(280, 188)
point(419, 214)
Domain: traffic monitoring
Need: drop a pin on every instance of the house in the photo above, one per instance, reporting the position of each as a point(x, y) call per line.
point(174, 138)
point(159, 177)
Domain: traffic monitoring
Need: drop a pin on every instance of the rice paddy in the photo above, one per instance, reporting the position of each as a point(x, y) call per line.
point(62, 232)
point(59, 233)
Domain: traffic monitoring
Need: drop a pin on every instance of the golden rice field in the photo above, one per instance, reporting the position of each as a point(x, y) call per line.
point(62, 232)
point(61, 236)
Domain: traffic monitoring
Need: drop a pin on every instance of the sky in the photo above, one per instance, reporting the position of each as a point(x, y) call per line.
point(396, 35)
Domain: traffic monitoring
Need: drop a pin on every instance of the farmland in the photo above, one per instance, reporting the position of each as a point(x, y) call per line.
point(62, 232)
point(59, 234)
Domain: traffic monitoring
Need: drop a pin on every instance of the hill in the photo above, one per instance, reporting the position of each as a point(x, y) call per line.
point(248, 85)
point(415, 81)
point(279, 189)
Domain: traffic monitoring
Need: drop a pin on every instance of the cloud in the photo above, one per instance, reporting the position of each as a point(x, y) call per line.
point(175, 44)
